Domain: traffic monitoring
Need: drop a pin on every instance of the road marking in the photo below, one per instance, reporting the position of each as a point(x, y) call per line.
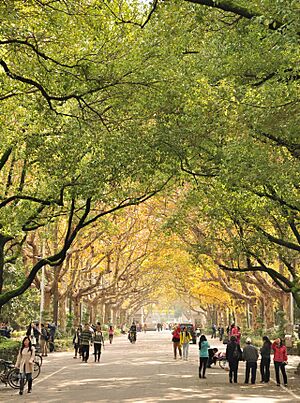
point(48, 376)
point(286, 390)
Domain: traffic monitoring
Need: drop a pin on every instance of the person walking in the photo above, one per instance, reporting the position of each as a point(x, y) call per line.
point(85, 340)
point(221, 332)
point(25, 362)
point(233, 355)
point(44, 337)
point(176, 342)
point(110, 334)
point(280, 360)
point(76, 341)
point(250, 355)
point(214, 331)
point(265, 362)
point(203, 355)
point(185, 338)
point(98, 342)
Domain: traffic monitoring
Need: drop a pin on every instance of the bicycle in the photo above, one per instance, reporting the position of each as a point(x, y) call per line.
point(8, 366)
point(38, 359)
point(14, 376)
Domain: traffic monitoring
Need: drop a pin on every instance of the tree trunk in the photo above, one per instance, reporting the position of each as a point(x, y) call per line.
point(62, 313)
point(2, 244)
point(76, 312)
point(269, 313)
point(255, 315)
point(55, 302)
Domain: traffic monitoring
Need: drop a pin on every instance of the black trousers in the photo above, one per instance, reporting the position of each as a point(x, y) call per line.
point(97, 351)
point(281, 366)
point(251, 366)
point(85, 351)
point(202, 366)
point(233, 370)
point(265, 369)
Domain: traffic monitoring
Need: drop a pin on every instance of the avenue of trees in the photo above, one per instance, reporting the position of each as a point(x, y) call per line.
point(150, 150)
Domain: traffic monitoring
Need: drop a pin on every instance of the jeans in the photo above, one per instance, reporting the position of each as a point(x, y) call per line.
point(233, 370)
point(280, 365)
point(85, 350)
point(202, 366)
point(265, 369)
point(185, 348)
point(253, 367)
point(28, 376)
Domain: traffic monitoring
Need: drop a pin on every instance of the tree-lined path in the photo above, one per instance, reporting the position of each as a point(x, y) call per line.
point(144, 372)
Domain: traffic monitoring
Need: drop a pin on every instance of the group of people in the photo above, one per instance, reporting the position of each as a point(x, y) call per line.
point(181, 340)
point(234, 354)
point(5, 329)
point(250, 355)
point(87, 336)
point(230, 331)
point(42, 336)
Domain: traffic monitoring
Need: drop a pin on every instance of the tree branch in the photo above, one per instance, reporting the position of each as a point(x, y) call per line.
point(231, 7)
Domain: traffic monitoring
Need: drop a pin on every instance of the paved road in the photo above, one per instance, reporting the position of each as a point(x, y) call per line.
point(144, 373)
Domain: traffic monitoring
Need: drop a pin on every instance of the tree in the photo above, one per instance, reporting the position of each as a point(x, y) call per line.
point(71, 142)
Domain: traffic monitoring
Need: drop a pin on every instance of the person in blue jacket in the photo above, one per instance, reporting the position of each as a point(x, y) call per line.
point(203, 355)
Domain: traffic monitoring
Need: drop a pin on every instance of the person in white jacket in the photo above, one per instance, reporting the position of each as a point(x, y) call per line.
point(25, 362)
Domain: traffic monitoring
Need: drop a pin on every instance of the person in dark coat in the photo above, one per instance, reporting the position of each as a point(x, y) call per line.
point(265, 362)
point(233, 355)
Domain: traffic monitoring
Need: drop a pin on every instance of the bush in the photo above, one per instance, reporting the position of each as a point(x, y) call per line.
point(63, 344)
point(9, 349)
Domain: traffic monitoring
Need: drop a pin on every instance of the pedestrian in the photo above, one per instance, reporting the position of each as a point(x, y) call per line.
point(280, 360)
point(221, 332)
point(176, 341)
point(145, 327)
point(44, 337)
point(233, 330)
point(212, 359)
point(185, 338)
point(52, 331)
point(76, 341)
point(214, 331)
point(33, 333)
point(85, 340)
point(250, 355)
point(24, 363)
point(98, 342)
point(203, 355)
point(265, 362)
point(233, 355)
point(110, 334)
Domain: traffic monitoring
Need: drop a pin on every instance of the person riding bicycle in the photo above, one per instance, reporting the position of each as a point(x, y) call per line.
point(132, 331)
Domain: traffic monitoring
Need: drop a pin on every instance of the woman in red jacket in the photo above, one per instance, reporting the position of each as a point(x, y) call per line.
point(280, 360)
